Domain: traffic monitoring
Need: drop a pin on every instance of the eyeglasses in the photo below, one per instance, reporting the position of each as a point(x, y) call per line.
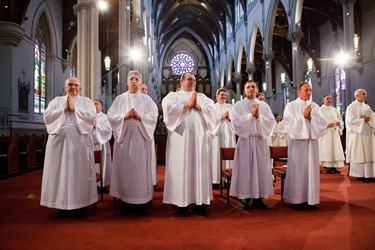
point(71, 85)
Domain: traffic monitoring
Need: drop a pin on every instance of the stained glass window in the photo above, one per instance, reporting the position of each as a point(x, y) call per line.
point(182, 63)
point(340, 84)
point(39, 70)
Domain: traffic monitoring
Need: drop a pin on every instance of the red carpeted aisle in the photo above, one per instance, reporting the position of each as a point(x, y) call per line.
point(346, 220)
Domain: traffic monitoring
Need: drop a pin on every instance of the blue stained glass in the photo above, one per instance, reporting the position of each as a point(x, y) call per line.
point(182, 63)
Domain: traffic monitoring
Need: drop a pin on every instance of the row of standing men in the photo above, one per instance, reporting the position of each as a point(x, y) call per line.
point(192, 119)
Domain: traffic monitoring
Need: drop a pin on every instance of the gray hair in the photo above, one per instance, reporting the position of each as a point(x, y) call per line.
point(357, 92)
point(134, 72)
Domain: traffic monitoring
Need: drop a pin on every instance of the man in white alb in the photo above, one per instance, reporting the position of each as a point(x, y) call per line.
point(101, 135)
point(143, 89)
point(223, 135)
point(133, 118)
point(304, 124)
point(279, 136)
point(69, 178)
point(189, 117)
point(331, 154)
point(360, 138)
point(252, 120)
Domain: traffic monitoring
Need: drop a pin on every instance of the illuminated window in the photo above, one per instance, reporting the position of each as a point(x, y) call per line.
point(39, 70)
point(182, 63)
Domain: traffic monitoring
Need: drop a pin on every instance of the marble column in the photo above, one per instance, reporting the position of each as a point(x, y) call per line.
point(124, 44)
point(295, 38)
point(238, 86)
point(88, 55)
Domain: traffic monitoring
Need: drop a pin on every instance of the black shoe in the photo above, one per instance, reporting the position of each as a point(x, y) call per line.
point(61, 214)
point(81, 212)
point(313, 207)
point(298, 207)
point(245, 206)
point(334, 170)
point(183, 211)
point(364, 179)
point(259, 204)
point(215, 186)
point(202, 209)
point(142, 209)
point(126, 208)
point(330, 171)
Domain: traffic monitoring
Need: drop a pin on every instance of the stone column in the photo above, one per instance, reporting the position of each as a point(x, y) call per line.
point(228, 87)
point(268, 66)
point(295, 38)
point(88, 55)
point(250, 70)
point(124, 44)
point(348, 27)
point(238, 86)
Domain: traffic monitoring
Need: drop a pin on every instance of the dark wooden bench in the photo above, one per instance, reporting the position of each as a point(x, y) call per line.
point(40, 148)
point(9, 163)
point(23, 141)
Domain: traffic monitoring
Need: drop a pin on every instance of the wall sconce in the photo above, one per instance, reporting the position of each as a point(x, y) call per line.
point(264, 86)
point(283, 77)
point(310, 64)
point(356, 42)
point(107, 62)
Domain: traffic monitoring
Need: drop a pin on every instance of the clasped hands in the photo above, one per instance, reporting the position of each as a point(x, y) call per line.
point(307, 112)
point(367, 118)
point(225, 116)
point(69, 104)
point(132, 114)
point(192, 103)
point(255, 110)
point(333, 124)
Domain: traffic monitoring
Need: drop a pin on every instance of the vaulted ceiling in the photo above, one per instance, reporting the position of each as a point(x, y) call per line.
point(207, 18)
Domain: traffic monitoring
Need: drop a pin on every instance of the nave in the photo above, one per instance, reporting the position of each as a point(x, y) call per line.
point(346, 220)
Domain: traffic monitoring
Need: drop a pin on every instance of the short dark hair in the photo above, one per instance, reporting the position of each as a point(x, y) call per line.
point(301, 84)
point(221, 90)
point(183, 75)
point(97, 100)
point(256, 84)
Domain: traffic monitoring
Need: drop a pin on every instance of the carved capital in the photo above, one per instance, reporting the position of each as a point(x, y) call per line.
point(251, 69)
point(295, 36)
point(83, 4)
point(268, 57)
point(11, 33)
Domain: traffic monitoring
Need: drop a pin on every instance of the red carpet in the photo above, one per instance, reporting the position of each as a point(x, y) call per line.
point(346, 220)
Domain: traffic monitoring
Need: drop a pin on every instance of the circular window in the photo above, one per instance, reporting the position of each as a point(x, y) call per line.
point(182, 63)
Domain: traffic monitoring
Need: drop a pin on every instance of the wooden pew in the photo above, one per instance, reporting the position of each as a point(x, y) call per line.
point(8, 155)
point(23, 141)
point(40, 148)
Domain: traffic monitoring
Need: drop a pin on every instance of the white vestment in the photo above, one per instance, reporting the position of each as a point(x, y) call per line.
point(302, 176)
point(224, 136)
point(154, 164)
point(101, 134)
point(69, 179)
point(188, 151)
point(252, 176)
point(131, 168)
point(360, 140)
point(331, 154)
point(279, 136)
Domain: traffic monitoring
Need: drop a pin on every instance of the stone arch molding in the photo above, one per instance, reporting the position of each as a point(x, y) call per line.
point(172, 40)
point(38, 11)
